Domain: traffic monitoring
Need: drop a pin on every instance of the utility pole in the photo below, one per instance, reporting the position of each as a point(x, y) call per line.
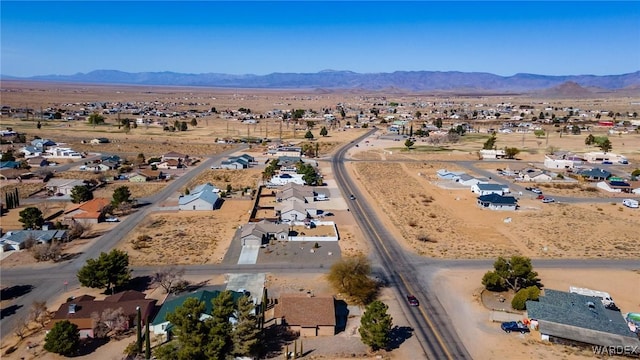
point(281, 130)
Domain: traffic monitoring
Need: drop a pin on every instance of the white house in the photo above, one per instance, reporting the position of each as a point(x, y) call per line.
point(202, 197)
point(535, 176)
point(282, 179)
point(468, 180)
point(62, 153)
point(295, 192)
point(295, 210)
point(63, 186)
point(492, 154)
point(487, 189)
point(599, 157)
point(448, 175)
point(555, 163)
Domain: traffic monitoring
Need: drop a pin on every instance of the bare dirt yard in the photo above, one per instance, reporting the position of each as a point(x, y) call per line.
point(186, 237)
point(459, 292)
point(448, 223)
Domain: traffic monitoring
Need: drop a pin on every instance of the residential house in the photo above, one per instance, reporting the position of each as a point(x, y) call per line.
point(16, 240)
point(31, 151)
point(289, 162)
point(468, 180)
point(492, 154)
point(9, 174)
point(100, 140)
point(89, 212)
point(292, 151)
point(282, 179)
point(81, 310)
point(293, 191)
point(486, 189)
point(259, 233)
point(448, 175)
point(234, 163)
point(145, 175)
point(308, 315)
point(161, 326)
point(169, 164)
point(175, 156)
point(618, 186)
point(62, 153)
point(594, 174)
point(112, 158)
point(42, 143)
point(295, 210)
point(533, 175)
point(599, 157)
point(63, 186)
point(554, 162)
point(497, 202)
point(202, 197)
point(584, 319)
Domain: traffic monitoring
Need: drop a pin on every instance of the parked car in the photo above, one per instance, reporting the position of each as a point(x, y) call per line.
point(112, 219)
point(412, 300)
point(540, 197)
point(510, 326)
point(536, 191)
point(606, 162)
point(547, 200)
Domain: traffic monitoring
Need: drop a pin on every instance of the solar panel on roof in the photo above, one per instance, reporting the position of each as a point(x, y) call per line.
point(619, 183)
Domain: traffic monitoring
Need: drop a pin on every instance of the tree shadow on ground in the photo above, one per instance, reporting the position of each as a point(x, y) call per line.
point(275, 338)
point(8, 311)
point(139, 283)
point(15, 291)
point(89, 346)
point(196, 286)
point(342, 314)
point(398, 335)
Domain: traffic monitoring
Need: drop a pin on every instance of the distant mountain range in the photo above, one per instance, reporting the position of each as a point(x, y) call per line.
point(414, 81)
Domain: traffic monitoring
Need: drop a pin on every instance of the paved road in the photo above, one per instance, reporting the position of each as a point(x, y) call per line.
point(429, 320)
point(48, 280)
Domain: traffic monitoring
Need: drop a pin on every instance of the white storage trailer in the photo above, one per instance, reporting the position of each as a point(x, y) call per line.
point(604, 296)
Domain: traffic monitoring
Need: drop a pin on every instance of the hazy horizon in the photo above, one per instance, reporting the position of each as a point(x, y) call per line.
point(240, 38)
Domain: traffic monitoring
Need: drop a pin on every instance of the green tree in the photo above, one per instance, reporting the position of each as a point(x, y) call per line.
point(511, 152)
point(31, 218)
point(490, 143)
point(308, 135)
point(375, 326)
point(519, 301)
point(351, 276)
point(408, 144)
point(418, 115)
point(515, 273)
point(168, 351)
point(63, 339)
point(96, 119)
point(108, 271)
point(575, 130)
point(460, 130)
point(220, 329)
point(590, 140)
point(323, 131)
point(8, 156)
point(538, 133)
point(606, 146)
point(183, 126)
point(246, 335)
point(438, 123)
point(636, 173)
point(194, 122)
point(121, 195)
point(310, 175)
point(81, 193)
point(191, 332)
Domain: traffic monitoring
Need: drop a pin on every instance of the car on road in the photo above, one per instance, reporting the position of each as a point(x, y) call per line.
point(606, 162)
point(412, 300)
point(510, 326)
point(548, 200)
point(540, 197)
point(534, 190)
point(352, 197)
point(112, 219)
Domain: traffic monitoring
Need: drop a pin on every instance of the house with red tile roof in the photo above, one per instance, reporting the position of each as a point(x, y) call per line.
point(89, 212)
point(308, 315)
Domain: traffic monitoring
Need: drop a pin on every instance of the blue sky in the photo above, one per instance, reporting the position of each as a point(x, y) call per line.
point(503, 37)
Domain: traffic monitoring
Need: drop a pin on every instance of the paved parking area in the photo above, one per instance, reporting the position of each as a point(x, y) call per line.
point(249, 254)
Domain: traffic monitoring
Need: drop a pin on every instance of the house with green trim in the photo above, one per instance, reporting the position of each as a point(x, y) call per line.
point(161, 326)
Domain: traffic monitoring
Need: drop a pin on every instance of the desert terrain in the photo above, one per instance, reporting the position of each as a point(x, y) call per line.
point(426, 217)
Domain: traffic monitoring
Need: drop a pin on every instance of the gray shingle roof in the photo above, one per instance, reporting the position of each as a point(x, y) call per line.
point(579, 311)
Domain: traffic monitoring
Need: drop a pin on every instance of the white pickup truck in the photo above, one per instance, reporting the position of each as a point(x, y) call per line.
point(630, 203)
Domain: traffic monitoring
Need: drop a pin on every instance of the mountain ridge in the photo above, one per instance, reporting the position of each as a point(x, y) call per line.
point(349, 80)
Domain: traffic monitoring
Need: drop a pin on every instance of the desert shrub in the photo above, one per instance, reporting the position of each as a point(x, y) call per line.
point(519, 301)
point(426, 238)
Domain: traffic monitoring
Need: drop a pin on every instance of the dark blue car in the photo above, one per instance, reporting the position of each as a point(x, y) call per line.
point(510, 326)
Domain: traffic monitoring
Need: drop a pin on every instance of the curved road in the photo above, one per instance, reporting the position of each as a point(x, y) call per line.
point(429, 320)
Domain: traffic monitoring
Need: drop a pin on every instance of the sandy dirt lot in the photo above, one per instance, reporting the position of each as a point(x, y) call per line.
point(459, 292)
point(186, 237)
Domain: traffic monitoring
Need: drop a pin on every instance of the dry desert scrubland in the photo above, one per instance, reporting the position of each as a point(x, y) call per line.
point(428, 218)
